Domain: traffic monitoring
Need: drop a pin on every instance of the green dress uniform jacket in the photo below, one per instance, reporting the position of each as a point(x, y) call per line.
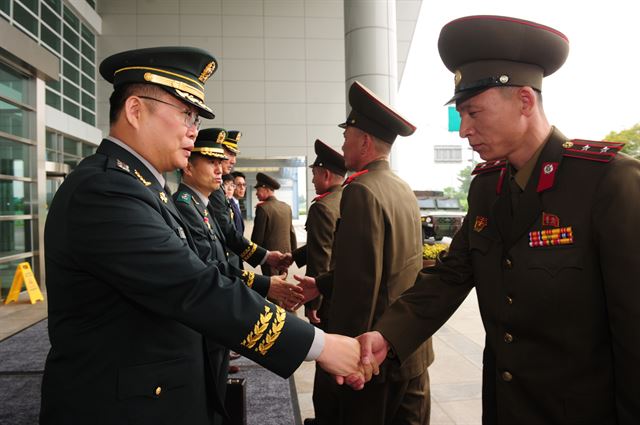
point(377, 253)
point(273, 229)
point(129, 302)
point(562, 321)
point(239, 247)
point(321, 225)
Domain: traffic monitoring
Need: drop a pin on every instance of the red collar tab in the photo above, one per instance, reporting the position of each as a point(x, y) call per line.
point(321, 196)
point(354, 176)
point(485, 167)
point(503, 171)
point(595, 151)
point(547, 176)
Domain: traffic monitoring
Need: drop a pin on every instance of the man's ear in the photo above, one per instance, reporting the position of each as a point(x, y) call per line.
point(528, 100)
point(133, 111)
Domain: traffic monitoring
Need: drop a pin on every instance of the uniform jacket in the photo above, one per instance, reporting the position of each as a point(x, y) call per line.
point(562, 321)
point(321, 225)
point(273, 227)
point(129, 302)
point(235, 241)
point(377, 253)
point(236, 214)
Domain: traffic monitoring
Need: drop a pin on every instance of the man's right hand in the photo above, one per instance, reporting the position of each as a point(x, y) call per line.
point(309, 288)
point(373, 351)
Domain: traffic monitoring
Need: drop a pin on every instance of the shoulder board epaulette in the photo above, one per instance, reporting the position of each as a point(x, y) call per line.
point(317, 198)
point(354, 176)
point(184, 197)
point(488, 166)
point(116, 164)
point(595, 151)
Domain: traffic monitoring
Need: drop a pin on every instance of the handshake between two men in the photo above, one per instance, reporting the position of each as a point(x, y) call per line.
point(352, 361)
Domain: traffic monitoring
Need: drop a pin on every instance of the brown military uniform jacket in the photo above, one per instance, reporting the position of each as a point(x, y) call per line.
point(562, 321)
point(378, 253)
point(321, 225)
point(273, 228)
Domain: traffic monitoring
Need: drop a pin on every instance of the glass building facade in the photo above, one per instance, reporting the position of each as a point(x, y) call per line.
point(34, 156)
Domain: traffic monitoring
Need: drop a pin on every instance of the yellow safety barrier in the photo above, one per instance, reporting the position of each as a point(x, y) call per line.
point(24, 275)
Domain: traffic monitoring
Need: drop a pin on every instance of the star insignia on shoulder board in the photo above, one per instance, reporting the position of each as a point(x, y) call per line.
point(586, 147)
point(163, 197)
point(605, 149)
point(122, 165)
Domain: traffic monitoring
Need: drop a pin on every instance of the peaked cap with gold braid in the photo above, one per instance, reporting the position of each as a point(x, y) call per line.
point(181, 71)
point(209, 143)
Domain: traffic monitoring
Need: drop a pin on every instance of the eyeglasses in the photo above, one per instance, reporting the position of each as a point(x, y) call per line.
point(229, 185)
point(241, 185)
point(191, 118)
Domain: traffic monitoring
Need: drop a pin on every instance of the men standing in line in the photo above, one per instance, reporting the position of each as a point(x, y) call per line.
point(200, 177)
point(240, 248)
point(377, 254)
point(272, 224)
point(128, 299)
point(328, 171)
point(550, 243)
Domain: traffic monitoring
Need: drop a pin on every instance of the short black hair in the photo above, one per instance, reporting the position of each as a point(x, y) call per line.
point(238, 174)
point(227, 178)
point(122, 93)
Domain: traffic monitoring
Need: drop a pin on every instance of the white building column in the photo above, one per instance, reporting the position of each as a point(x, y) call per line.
point(371, 48)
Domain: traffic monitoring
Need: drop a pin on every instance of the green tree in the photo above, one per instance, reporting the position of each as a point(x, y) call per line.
point(464, 177)
point(631, 137)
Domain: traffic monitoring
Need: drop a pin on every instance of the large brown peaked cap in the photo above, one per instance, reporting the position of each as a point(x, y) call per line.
point(494, 51)
point(371, 115)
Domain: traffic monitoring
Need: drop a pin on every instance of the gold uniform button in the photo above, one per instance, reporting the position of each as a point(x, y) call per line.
point(507, 376)
point(158, 391)
point(509, 300)
point(508, 338)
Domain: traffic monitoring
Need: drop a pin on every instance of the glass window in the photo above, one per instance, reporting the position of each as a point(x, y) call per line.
point(92, 3)
point(14, 120)
point(88, 35)
point(71, 108)
point(15, 197)
point(88, 84)
point(71, 55)
point(54, 85)
point(52, 99)
point(88, 68)
point(54, 4)
point(13, 85)
point(88, 150)
point(26, 19)
point(50, 18)
point(5, 6)
point(70, 72)
point(71, 19)
point(49, 38)
point(15, 158)
point(447, 154)
point(71, 90)
point(88, 51)
point(88, 101)
point(31, 5)
point(71, 146)
point(71, 36)
point(88, 117)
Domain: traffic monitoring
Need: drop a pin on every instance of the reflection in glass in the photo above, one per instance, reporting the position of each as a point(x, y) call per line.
point(15, 197)
point(13, 85)
point(15, 158)
point(15, 237)
point(14, 120)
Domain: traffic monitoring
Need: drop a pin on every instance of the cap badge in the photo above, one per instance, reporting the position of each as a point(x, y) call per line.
point(221, 137)
point(480, 223)
point(163, 197)
point(457, 77)
point(567, 145)
point(504, 79)
point(207, 71)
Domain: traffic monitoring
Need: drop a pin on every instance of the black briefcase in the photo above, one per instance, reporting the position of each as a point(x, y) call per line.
point(235, 402)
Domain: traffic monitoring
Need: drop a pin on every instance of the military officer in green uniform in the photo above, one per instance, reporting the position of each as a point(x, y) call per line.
point(550, 243)
point(200, 177)
point(272, 223)
point(128, 298)
point(328, 171)
point(377, 254)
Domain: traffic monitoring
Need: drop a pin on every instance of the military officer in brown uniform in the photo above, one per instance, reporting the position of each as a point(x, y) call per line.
point(377, 254)
point(550, 243)
point(328, 175)
point(272, 224)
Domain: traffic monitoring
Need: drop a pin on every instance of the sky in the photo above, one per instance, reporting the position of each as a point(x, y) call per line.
point(596, 91)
